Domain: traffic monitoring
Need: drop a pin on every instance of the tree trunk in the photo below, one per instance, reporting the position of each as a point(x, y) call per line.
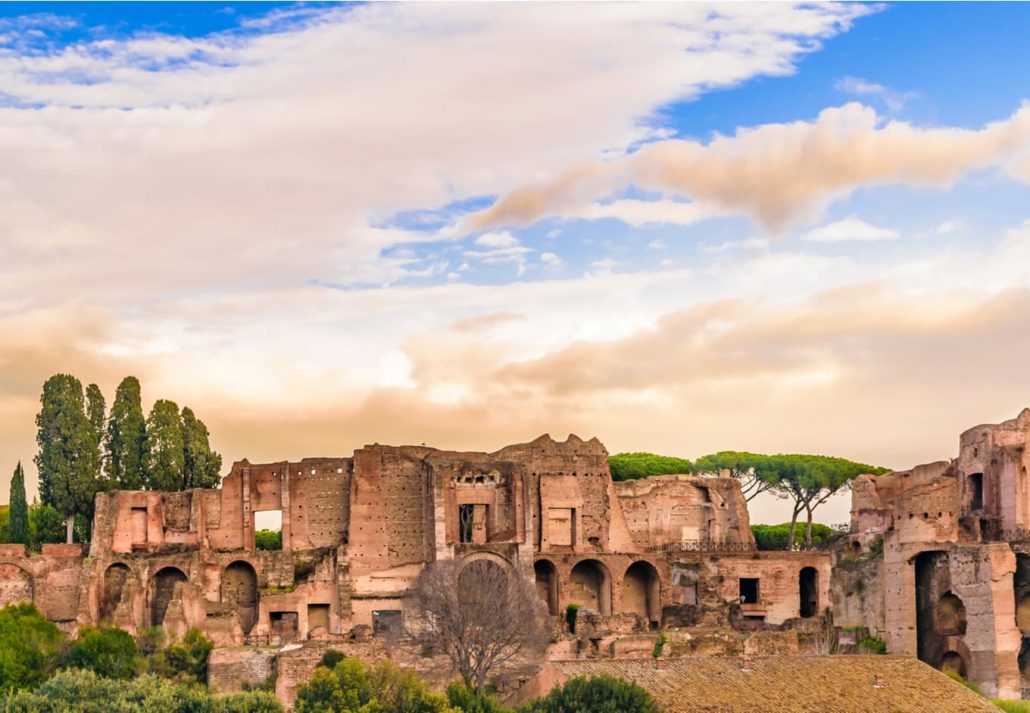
point(808, 528)
point(70, 529)
point(793, 526)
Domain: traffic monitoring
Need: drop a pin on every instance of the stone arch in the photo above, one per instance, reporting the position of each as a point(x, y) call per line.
point(808, 592)
point(239, 590)
point(16, 585)
point(488, 557)
point(116, 578)
point(641, 592)
point(162, 591)
point(591, 586)
point(953, 661)
point(949, 616)
point(546, 576)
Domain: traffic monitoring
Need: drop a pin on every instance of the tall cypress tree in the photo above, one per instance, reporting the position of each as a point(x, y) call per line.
point(165, 451)
point(202, 465)
point(68, 460)
point(125, 445)
point(96, 412)
point(18, 525)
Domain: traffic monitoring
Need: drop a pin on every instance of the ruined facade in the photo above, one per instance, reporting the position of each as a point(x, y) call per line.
point(669, 552)
point(952, 583)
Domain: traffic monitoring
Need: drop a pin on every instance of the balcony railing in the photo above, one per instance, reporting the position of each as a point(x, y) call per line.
point(702, 546)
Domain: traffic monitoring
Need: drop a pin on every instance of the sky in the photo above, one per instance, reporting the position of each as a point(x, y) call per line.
point(678, 228)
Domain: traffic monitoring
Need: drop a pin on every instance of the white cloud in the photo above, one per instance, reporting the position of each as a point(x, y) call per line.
point(851, 228)
point(551, 260)
point(502, 239)
point(657, 244)
point(893, 100)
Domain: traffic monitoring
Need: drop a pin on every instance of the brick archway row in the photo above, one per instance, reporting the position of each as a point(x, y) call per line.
point(573, 572)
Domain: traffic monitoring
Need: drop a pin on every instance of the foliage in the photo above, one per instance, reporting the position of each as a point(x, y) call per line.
point(268, 539)
point(595, 694)
point(17, 530)
point(872, 645)
point(85, 692)
point(331, 658)
point(571, 612)
point(461, 619)
point(877, 547)
point(45, 525)
point(165, 451)
point(657, 651)
point(5, 518)
point(469, 700)
point(1013, 706)
point(631, 466)
point(30, 647)
point(109, 652)
point(96, 413)
point(774, 537)
point(754, 471)
point(351, 687)
point(150, 640)
point(67, 460)
point(183, 661)
point(959, 678)
point(125, 443)
point(201, 464)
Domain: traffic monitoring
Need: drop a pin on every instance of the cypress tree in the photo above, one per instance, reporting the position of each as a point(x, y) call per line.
point(96, 412)
point(68, 461)
point(18, 526)
point(202, 465)
point(125, 445)
point(165, 450)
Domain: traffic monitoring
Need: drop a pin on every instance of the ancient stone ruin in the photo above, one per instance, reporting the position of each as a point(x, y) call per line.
point(937, 562)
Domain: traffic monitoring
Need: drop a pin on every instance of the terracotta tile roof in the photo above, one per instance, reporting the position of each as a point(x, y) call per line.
point(795, 684)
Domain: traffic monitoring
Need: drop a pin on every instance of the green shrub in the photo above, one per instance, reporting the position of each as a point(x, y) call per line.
point(111, 652)
point(183, 661)
point(658, 646)
point(595, 694)
point(30, 647)
point(351, 687)
point(571, 612)
point(1013, 706)
point(631, 466)
point(331, 658)
point(774, 537)
point(86, 692)
point(974, 687)
point(469, 700)
point(872, 645)
point(268, 539)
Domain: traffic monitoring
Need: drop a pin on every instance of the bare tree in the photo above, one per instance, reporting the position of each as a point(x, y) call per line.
point(482, 618)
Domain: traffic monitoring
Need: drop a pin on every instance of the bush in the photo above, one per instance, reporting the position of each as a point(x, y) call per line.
point(349, 687)
point(268, 539)
point(595, 694)
point(1013, 706)
point(183, 661)
point(85, 692)
point(571, 613)
point(110, 653)
point(774, 537)
point(631, 466)
point(872, 645)
point(959, 678)
point(469, 700)
point(30, 647)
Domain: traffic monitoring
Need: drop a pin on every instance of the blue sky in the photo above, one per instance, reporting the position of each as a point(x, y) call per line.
point(766, 227)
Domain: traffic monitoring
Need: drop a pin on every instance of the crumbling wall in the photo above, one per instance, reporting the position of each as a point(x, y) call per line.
point(683, 508)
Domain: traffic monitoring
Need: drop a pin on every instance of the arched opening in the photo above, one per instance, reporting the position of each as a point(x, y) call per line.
point(952, 662)
point(591, 587)
point(976, 491)
point(163, 591)
point(16, 585)
point(641, 592)
point(116, 578)
point(547, 584)
point(949, 616)
point(808, 588)
point(239, 590)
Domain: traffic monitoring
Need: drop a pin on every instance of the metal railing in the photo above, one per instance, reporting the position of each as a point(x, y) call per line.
point(702, 546)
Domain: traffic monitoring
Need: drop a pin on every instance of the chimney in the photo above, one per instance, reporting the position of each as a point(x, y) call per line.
point(878, 681)
point(745, 663)
point(659, 663)
point(725, 473)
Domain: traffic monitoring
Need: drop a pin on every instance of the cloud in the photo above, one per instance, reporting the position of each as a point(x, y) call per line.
point(851, 228)
point(497, 240)
point(894, 101)
point(777, 173)
point(551, 260)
